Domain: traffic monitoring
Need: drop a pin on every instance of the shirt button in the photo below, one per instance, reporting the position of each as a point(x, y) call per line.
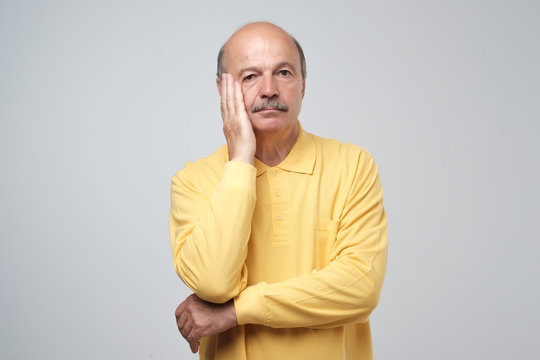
point(272, 172)
point(278, 194)
point(280, 218)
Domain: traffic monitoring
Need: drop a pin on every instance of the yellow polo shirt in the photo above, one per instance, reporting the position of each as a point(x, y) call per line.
point(301, 248)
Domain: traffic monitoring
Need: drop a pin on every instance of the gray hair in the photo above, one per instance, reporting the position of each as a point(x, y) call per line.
point(221, 55)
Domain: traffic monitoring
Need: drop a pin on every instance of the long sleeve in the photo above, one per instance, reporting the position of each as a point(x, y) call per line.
point(344, 291)
point(210, 225)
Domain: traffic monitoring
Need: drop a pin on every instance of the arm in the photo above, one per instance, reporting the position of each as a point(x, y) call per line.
point(209, 232)
point(210, 223)
point(346, 290)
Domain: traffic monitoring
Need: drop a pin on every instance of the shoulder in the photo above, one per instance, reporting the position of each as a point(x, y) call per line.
point(346, 167)
point(341, 154)
point(205, 171)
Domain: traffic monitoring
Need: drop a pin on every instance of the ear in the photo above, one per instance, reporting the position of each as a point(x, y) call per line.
point(303, 88)
point(218, 83)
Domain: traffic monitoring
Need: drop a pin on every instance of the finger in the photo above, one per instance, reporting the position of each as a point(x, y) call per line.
point(223, 91)
point(181, 321)
point(179, 310)
point(240, 107)
point(230, 100)
point(194, 347)
point(182, 307)
point(186, 330)
point(193, 342)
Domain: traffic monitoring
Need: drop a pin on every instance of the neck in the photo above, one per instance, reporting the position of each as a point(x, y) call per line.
point(272, 149)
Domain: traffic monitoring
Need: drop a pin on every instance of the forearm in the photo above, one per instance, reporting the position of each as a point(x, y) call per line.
point(346, 291)
point(209, 236)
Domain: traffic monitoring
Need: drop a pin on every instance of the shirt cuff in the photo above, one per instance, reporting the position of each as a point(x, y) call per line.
point(238, 174)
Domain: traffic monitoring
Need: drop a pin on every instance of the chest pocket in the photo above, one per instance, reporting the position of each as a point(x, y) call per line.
point(325, 236)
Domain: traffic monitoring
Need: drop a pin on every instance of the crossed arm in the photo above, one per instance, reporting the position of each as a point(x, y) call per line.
point(345, 291)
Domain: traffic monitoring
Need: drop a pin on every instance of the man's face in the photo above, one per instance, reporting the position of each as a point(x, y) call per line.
point(266, 62)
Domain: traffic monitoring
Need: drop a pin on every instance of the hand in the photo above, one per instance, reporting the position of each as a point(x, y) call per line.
point(197, 318)
point(236, 125)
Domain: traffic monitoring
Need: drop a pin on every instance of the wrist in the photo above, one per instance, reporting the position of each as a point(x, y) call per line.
point(246, 156)
point(232, 314)
point(246, 159)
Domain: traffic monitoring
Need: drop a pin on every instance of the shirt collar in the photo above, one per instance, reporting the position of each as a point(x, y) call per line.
point(301, 158)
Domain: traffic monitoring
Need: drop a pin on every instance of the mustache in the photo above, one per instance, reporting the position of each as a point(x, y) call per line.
point(270, 104)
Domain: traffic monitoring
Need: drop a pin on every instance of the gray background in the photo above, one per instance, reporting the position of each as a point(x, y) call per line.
point(101, 102)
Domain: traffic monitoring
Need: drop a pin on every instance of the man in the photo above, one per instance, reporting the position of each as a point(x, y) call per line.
point(281, 235)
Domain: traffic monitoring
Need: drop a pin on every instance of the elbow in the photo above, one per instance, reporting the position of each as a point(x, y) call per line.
point(367, 302)
point(369, 290)
point(373, 295)
point(211, 287)
point(371, 302)
point(215, 291)
point(368, 296)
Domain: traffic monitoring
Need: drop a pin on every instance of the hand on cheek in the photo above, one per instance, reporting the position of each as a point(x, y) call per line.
point(236, 125)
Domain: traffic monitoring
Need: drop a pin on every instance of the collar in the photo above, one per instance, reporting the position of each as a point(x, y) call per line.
point(301, 158)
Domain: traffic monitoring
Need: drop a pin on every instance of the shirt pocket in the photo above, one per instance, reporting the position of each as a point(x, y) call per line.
point(325, 236)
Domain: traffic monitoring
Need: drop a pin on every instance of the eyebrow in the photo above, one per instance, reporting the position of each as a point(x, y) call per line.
point(251, 68)
point(257, 69)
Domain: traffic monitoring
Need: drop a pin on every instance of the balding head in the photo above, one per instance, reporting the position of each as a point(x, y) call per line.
point(259, 29)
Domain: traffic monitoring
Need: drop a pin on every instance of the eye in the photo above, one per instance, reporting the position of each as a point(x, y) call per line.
point(249, 77)
point(284, 72)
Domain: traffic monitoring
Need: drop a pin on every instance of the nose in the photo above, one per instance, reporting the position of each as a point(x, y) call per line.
point(268, 87)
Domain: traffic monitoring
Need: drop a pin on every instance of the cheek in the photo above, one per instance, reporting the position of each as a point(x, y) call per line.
point(250, 93)
point(249, 86)
point(294, 94)
point(294, 90)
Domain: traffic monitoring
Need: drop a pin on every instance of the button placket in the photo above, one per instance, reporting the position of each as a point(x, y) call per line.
point(279, 200)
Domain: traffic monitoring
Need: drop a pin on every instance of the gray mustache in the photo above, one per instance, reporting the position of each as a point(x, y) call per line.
point(273, 104)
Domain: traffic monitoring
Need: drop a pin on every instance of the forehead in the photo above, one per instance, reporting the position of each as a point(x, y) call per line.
point(260, 48)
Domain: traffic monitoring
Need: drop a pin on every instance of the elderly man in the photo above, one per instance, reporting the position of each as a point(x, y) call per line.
point(281, 235)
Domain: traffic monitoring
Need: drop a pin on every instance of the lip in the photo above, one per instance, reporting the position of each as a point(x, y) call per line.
point(270, 110)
